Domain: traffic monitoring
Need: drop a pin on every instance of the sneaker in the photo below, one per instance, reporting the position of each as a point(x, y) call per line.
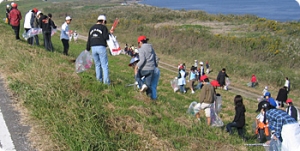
point(144, 88)
point(193, 92)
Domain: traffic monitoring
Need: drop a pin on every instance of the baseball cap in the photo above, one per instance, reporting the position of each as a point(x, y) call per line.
point(7, 6)
point(15, 5)
point(289, 100)
point(101, 17)
point(142, 38)
point(203, 77)
point(35, 10)
point(262, 105)
point(68, 18)
point(268, 94)
point(133, 60)
point(201, 63)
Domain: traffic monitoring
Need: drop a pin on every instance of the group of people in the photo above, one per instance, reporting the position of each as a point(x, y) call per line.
point(35, 19)
point(131, 50)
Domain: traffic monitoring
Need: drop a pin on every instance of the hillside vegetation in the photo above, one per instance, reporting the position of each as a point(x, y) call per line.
point(70, 111)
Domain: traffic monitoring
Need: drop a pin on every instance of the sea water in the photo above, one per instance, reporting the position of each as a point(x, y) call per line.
point(280, 10)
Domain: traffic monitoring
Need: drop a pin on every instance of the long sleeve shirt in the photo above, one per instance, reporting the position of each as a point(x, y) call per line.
point(64, 34)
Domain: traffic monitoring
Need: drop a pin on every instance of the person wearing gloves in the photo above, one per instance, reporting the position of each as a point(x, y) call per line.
point(97, 37)
point(146, 65)
point(29, 23)
point(286, 129)
point(15, 17)
point(64, 35)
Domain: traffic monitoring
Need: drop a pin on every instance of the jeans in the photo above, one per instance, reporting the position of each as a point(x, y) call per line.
point(17, 31)
point(182, 88)
point(36, 38)
point(148, 74)
point(29, 40)
point(101, 63)
point(47, 40)
point(66, 46)
point(154, 83)
point(233, 124)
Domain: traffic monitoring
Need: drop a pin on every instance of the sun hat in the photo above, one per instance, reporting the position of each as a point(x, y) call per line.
point(142, 38)
point(101, 17)
point(68, 18)
point(133, 60)
point(262, 105)
point(289, 100)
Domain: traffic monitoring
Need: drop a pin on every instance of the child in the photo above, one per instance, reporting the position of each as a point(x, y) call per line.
point(291, 110)
point(239, 118)
point(253, 80)
point(207, 67)
point(262, 128)
point(75, 36)
point(192, 78)
point(181, 79)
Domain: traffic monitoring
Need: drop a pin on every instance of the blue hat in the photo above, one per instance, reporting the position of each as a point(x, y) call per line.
point(272, 102)
point(268, 94)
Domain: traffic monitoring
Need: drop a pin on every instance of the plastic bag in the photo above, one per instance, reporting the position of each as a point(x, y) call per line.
point(215, 119)
point(218, 103)
point(84, 61)
point(174, 84)
point(191, 109)
point(32, 32)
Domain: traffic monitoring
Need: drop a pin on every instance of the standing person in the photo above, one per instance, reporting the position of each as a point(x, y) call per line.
point(282, 95)
point(36, 24)
point(192, 78)
point(201, 69)
point(47, 26)
point(7, 14)
point(221, 77)
point(291, 110)
point(239, 118)
point(181, 79)
point(207, 67)
point(207, 98)
point(271, 100)
point(64, 35)
point(15, 17)
point(97, 37)
point(287, 84)
point(286, 128)
point(147, 63)
point(29, 23)
point(253, 80)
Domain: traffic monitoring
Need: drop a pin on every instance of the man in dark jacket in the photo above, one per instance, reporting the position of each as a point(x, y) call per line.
point(221, 77)
point(97, 37)
point(282, 95)
point(14, 19)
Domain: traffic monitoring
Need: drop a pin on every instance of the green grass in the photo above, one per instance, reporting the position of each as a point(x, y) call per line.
point(79, 113)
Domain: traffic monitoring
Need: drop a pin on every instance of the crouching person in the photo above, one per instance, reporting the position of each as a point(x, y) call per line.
point(239, 118)
point(207, 98)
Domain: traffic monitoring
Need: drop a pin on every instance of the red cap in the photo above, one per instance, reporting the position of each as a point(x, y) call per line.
point(215, 83)
point(142, 38)
point(289, 100)
point(35, 10)
point(203, 77)
point(14, 5)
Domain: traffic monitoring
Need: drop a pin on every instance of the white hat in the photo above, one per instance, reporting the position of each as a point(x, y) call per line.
point(266, 87)
point(101, 17)
point(7, 6)
point(68, 18)
point(38, 13)
point(201, 63)
point(136, 50)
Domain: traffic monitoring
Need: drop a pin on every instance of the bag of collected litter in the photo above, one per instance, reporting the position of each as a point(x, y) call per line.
point(215, 119)
point(174, 84)
point(32, 32)
point(84, 61)
point(191, 109)
point(218, 103)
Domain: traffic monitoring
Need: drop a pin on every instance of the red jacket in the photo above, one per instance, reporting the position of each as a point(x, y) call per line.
point(15, 17)
point(253, 79)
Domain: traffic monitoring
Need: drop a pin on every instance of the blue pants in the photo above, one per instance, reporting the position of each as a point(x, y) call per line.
point(101, 63)
point(154, 83)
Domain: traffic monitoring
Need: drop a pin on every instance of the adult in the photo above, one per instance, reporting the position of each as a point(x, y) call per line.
point(97, 37)
point(286, 128)
point(15, 17)
point(207, 98)
point(239, 118)
point(7, 13)
point(154, 83)
point(29, 23)
point(147, 64)
point(64, 35)
point(47, 26)
point(36, 24)
point(291, 110)
point(282, 95)
point(221, 77)
point(287, 84)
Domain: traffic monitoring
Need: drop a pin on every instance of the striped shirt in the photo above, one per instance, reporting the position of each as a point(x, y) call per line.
point(277, 118)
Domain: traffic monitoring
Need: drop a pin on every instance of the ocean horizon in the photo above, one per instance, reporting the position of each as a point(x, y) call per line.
point(279, 10)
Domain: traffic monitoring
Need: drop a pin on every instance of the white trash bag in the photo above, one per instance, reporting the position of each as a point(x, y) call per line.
point(84, 61)
point(174, 84)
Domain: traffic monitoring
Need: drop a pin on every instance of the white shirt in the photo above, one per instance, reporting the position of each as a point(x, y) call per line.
point(29, 19)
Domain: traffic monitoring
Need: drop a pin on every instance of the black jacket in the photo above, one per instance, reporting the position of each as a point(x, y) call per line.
point(221, 78)
point(239, 117)
point(294, 113)
point(97, 36)
point(282, 95)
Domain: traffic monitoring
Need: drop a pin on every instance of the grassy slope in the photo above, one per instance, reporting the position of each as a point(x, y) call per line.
point(79, 113)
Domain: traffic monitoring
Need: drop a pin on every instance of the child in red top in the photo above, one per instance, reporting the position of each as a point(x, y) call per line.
point(253, 80)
